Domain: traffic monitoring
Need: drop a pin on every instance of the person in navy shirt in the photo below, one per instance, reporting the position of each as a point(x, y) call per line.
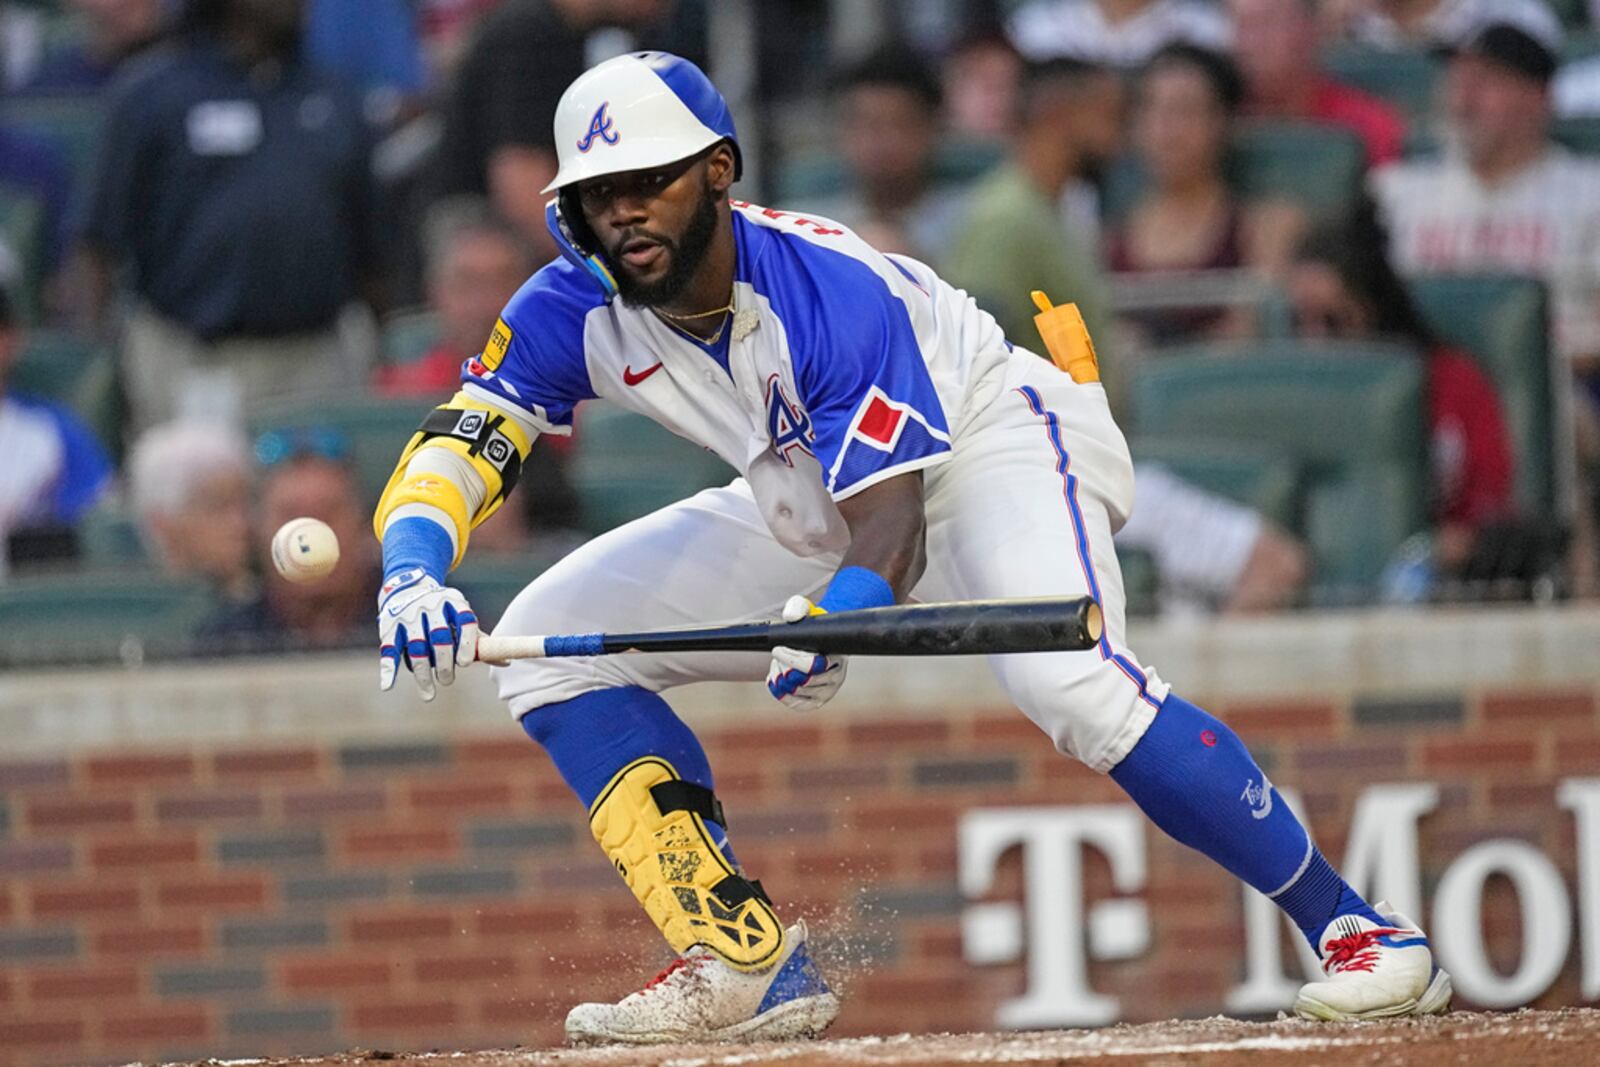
point(235, 195)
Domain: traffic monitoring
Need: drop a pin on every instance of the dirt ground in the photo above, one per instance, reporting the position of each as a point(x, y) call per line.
point(1515, 1039)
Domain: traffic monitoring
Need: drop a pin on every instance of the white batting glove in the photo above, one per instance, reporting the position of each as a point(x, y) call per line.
point(803, 680)
point(426, 626)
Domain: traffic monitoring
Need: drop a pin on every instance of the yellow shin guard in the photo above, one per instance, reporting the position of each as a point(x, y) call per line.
point(652, 825)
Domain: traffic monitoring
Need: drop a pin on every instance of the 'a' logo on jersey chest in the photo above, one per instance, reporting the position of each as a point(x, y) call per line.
point(788, 425)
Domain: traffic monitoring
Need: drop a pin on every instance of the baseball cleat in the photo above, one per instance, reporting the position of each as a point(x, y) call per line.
point(1374, 972)
point(700, 998)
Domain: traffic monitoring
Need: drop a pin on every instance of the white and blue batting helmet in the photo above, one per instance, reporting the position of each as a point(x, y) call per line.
point(634, 112)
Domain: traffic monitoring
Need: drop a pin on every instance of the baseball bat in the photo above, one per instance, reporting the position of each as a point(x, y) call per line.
point(960, 628)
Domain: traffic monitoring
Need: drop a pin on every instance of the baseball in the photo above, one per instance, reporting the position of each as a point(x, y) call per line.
point(305, 549)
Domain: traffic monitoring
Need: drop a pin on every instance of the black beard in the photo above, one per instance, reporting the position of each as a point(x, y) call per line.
point(687, 253)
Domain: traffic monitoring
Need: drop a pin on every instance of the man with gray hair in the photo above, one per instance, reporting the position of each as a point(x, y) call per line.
point(189, 488)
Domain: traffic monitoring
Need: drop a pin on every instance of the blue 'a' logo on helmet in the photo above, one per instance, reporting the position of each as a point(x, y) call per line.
point(600, 126)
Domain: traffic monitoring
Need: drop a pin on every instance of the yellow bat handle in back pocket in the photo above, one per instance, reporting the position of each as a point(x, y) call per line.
point(1066, 338)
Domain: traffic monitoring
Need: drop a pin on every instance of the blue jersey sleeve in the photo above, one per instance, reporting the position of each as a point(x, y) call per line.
point(534, 359)
point(864, 383)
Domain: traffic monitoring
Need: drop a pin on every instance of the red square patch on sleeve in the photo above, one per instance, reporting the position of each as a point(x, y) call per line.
point(879, 421)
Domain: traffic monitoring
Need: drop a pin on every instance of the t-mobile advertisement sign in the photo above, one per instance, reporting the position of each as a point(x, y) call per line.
point(1058, 933)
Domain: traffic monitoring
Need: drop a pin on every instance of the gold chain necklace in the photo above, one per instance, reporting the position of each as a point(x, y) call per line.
point(674, 320)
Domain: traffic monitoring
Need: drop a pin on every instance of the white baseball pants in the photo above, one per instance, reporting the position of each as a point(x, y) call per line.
point(1040, 480)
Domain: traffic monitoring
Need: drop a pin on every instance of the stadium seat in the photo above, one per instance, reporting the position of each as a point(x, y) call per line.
point(70, 121)
point(625, 466)
point(1406, 80)
point(78, 373)
point(1350, 416)
point(407, 336)
point(109, 537)
point(1501, 321)
point(22, 247)
point(376, 430)
point(1259, 477)
point(1319, 167)
point(1581, 135)
point(99, 615)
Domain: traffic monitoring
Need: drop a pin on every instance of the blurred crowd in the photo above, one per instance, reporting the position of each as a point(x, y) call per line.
point(235, 235)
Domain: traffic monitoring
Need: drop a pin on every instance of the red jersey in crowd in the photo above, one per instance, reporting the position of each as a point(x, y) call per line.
point(1471, 450)
point(1378, 125)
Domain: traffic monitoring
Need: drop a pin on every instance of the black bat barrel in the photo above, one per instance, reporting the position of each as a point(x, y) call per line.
point(974, 627)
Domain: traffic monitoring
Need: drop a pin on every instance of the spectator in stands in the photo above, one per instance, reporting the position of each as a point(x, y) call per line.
point(497, 140)
point(1343, 286)
point(115, 31)
point(1188, 219)
point(189, 487)
point(1275, 44)
point(1011, 239)
point(373, 45)
point(1117, 33)
point(1211, 554)
point(306, 473)
point(475, 261)
point(888, 127)
point(1507, 199)
point(235, 193)
point(982, 79)
point(54, 469)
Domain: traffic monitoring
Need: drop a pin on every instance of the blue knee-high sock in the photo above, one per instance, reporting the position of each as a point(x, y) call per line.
point(1195, 779)
point(593, 736)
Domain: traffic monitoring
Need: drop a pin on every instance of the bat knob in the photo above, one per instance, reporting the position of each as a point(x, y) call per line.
point(1094, 622)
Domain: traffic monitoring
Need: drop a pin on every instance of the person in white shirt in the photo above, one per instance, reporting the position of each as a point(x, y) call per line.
point(1504, 198)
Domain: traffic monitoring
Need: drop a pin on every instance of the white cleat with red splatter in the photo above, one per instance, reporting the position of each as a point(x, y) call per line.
point(700, 998)
point(1374, 972)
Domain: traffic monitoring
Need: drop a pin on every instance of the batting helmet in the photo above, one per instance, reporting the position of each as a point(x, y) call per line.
point(637, 111)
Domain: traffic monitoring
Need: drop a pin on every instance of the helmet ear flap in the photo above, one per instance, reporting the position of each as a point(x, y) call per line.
point(584, 247)
point(574, 227)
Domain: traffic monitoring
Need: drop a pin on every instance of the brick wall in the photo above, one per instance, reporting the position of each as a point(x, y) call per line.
point(222, 900)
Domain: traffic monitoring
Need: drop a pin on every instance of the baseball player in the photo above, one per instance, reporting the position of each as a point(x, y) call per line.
point(891, 443)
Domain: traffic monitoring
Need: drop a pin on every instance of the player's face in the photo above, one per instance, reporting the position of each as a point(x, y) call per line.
point(655, 225)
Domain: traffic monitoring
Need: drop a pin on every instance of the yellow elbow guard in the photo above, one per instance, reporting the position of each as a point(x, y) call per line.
point(493, 444)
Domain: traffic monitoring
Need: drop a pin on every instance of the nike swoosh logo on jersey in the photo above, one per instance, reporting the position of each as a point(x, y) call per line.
point(629, 377)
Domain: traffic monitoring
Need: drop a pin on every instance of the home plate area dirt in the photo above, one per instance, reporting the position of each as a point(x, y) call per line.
point(1515, 1039)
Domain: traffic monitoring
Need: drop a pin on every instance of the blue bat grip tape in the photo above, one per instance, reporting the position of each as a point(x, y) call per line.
point(575, 645)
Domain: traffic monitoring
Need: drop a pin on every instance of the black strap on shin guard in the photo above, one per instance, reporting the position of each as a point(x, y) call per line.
point(679, 795)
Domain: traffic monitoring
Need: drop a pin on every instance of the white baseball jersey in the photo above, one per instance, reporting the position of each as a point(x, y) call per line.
point(840, 366)
point(1544, 222)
